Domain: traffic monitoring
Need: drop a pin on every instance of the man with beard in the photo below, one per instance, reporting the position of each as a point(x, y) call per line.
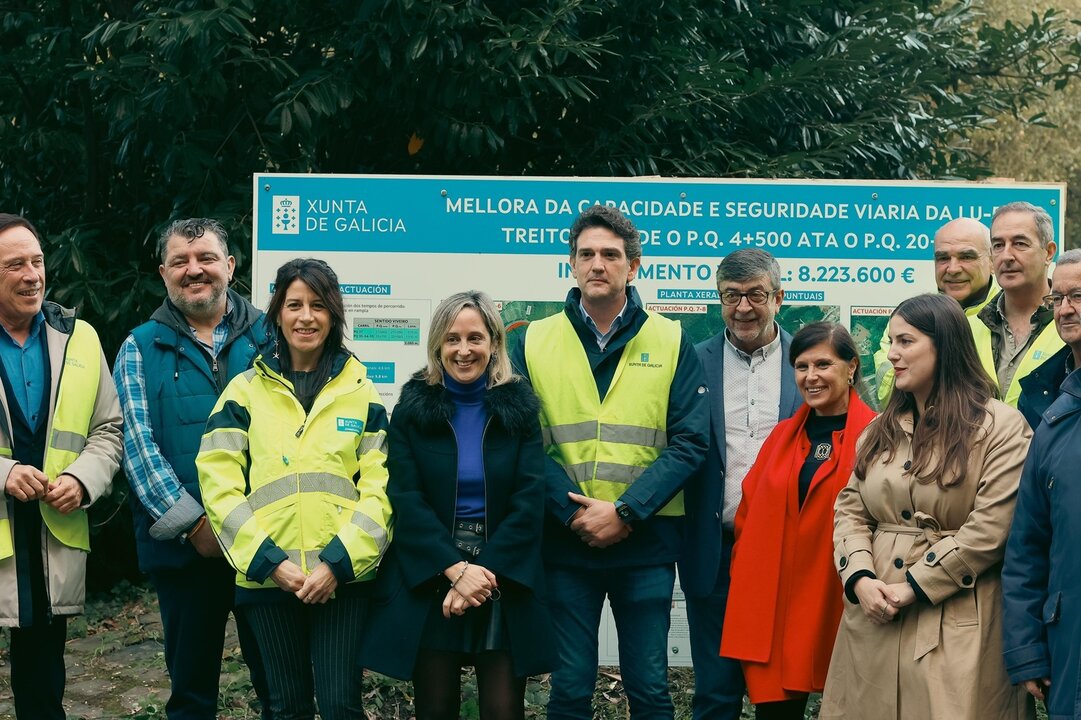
point(169, 373)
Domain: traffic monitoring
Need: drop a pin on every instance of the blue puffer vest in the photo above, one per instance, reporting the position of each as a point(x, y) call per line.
point(181, 389)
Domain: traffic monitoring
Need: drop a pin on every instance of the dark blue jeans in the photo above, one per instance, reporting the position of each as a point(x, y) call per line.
point(641, 599)
point(718, 681)
point(195, 603)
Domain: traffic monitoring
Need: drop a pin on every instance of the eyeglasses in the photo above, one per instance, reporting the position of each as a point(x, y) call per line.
point(1054, 300)
point(755, 297)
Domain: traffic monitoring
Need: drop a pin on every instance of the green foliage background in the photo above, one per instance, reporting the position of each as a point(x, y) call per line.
point(117, 116)
point(1047, 151)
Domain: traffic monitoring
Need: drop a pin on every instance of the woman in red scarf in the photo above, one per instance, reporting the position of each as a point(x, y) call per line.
point(785, 601)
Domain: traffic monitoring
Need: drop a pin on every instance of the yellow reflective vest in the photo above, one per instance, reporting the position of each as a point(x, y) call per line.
point(604, 445)
point(269, 472)
point(884, 368)
point(76, 395)
point(1046, 344)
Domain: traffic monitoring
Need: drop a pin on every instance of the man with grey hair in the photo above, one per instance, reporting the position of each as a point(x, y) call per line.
point(1041, 387)
point(1039, 575)
point(625, 423)
point(59, 449)
point(169, 373)
point(1014, 334)
point(752, 387)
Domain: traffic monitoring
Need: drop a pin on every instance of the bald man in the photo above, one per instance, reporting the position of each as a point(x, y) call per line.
point(962, 271)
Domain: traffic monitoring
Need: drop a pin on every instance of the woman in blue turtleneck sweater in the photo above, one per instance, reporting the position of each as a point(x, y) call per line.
point(461, 581)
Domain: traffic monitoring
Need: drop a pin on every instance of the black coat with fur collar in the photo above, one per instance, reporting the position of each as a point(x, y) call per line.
point(423, 459)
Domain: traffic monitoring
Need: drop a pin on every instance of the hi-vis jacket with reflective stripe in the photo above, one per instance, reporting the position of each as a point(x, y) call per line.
point(1046, 344)
point(884, 368)
point(278, 485)
point(604, 445)
point(84, 440)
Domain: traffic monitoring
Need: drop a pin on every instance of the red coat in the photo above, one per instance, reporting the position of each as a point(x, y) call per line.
point(785, 600)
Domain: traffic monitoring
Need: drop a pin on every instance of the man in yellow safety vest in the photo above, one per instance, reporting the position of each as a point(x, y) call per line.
point(962, 271)
point(625, 419)
point(1014, 333)
point(60, 444)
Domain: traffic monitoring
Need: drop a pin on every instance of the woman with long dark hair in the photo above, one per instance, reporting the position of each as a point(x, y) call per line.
point(920, 532)
point(784, 604)
point(293, 474)
point(462, 579)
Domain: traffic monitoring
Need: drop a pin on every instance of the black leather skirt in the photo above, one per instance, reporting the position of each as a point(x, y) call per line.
point(479, 628)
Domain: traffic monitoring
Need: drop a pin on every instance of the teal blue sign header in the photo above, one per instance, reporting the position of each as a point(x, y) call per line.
point(677, 218)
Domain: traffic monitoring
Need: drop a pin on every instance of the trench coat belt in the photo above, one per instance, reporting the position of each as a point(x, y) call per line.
point(928, 616)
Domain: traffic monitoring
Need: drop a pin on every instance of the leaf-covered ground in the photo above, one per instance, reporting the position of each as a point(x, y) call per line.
point(116, 669)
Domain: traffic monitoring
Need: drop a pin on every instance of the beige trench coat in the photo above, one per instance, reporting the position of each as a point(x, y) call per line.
point(943, 659)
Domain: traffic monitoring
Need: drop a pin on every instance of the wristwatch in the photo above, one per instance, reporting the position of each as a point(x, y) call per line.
point(623, 510)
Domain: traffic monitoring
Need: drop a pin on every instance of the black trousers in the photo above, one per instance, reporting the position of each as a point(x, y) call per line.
point(37, 669)
point(195, 602)
point(310, 653)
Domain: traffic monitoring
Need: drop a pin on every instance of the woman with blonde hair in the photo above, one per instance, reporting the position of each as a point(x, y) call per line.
point(461, 581)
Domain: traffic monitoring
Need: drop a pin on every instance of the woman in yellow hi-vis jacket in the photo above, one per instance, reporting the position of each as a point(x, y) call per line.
point(292, 470)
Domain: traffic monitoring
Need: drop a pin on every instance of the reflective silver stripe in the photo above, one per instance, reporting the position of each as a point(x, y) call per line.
point(574, 432)
point(372, 441)
point(229, 440)
point(607, 432)
point(580, 473)
point(280, 489)
point(377, 531)
point(272, 492)
point(303, 482)
point(69, 441)
point(609, 472)
point(328, 483)
point(241, 514)
point(311, 558)
point(635, 435)
point(618, 472)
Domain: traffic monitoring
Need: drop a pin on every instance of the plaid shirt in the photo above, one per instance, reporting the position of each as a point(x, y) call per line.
point(149, 472)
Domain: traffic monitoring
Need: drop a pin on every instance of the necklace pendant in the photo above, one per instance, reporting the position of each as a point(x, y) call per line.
point(822, 451)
